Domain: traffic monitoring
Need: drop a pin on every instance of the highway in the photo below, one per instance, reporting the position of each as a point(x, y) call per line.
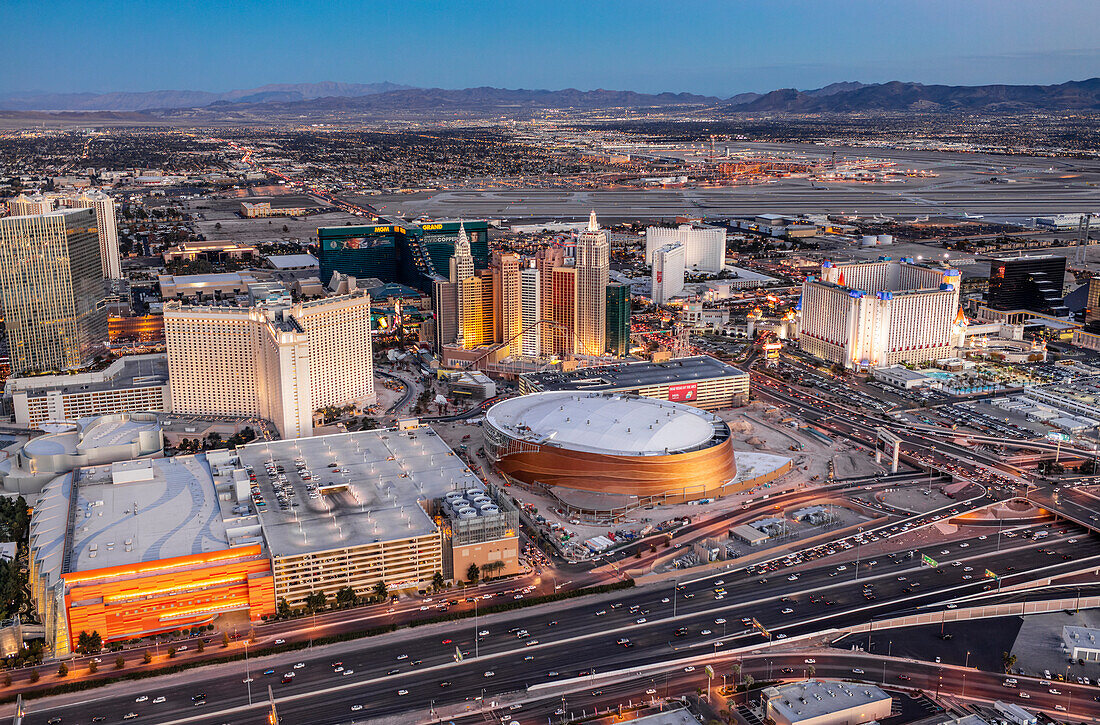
point(962, 683)
point(557, 633)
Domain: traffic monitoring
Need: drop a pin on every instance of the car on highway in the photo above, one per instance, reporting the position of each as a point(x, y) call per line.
point(1025, 695)
point(158, 700)
point(402, 692)
point(346, 673)
point(786, 610)
point(130, 716)
point(651, 691)
point(489, 673)
point(299, 665)
point(142, 698)
point(857, 671)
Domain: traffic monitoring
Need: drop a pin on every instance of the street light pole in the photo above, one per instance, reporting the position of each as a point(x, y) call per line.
point(247, 673)
point(858, 542)
point(476, 636)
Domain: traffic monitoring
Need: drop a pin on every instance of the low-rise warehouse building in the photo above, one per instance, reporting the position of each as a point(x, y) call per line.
point(1083, 643)
point(818, 702)
point(701, 381)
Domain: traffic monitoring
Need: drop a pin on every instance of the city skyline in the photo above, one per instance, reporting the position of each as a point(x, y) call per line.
point(647, 47)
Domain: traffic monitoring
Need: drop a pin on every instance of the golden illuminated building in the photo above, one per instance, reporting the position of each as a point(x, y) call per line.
point(546, 260)
point(53, 290)
point(563, 282)
point(507, 301)
point(475, 310)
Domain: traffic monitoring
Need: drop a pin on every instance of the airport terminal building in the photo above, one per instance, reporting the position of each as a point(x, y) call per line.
point(701, 381)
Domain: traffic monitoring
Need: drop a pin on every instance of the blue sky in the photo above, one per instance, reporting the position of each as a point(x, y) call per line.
point(703, 46)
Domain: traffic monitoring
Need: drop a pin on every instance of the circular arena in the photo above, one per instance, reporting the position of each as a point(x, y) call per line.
point(611, 445)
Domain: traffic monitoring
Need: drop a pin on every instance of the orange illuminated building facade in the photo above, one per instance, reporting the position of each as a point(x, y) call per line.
point(144, 328)
point(563, 303)
point(136, 600)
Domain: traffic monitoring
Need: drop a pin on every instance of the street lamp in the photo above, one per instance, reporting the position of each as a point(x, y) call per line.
point(247, 673)
point(858, 542)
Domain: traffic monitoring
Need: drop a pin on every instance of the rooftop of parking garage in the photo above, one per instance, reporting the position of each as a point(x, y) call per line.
point(363, 488)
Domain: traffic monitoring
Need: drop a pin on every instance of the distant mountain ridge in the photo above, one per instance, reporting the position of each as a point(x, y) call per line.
point(382, 98)
point(482, 98)
point(150, 100)
point(917, 97)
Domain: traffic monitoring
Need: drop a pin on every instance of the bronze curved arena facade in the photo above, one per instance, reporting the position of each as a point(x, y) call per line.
point(610, 444)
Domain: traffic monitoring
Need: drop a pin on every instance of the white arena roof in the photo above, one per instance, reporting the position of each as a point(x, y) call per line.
point(608, 423)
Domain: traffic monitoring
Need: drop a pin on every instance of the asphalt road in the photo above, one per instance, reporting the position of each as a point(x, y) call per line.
point(579, 639)
point(933, 678)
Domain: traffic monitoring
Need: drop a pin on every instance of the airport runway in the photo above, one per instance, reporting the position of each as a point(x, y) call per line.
point(789, 196)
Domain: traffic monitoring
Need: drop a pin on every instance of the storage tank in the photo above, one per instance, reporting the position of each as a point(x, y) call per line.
point(868, 240)
point(885, 239)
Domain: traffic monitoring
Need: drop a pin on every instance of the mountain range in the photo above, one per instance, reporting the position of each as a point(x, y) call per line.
point(150, 100)
point(306, 99)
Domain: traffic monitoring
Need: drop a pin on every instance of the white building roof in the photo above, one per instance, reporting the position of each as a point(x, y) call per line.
point(811, 699)
point(292, 261)
point(614, 424)
point(376, 484)
point(140, 511)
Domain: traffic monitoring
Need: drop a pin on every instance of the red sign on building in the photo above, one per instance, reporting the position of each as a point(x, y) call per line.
point(686, 393)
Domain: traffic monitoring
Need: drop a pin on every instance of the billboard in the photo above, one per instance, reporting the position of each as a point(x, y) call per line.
point(684, 393)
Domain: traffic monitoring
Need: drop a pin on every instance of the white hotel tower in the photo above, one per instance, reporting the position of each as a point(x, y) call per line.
point(874, 314)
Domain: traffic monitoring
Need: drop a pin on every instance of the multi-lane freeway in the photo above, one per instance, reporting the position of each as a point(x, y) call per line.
point(523, 648)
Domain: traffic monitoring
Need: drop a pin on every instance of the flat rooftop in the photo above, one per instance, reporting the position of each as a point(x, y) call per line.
point(608, 423)
point(145, 510)
point(133, 371)
point(635, 375)
point(680, 716)
point(292, 261)
point(814, 698)
point(743, 273)
point(371, 484)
